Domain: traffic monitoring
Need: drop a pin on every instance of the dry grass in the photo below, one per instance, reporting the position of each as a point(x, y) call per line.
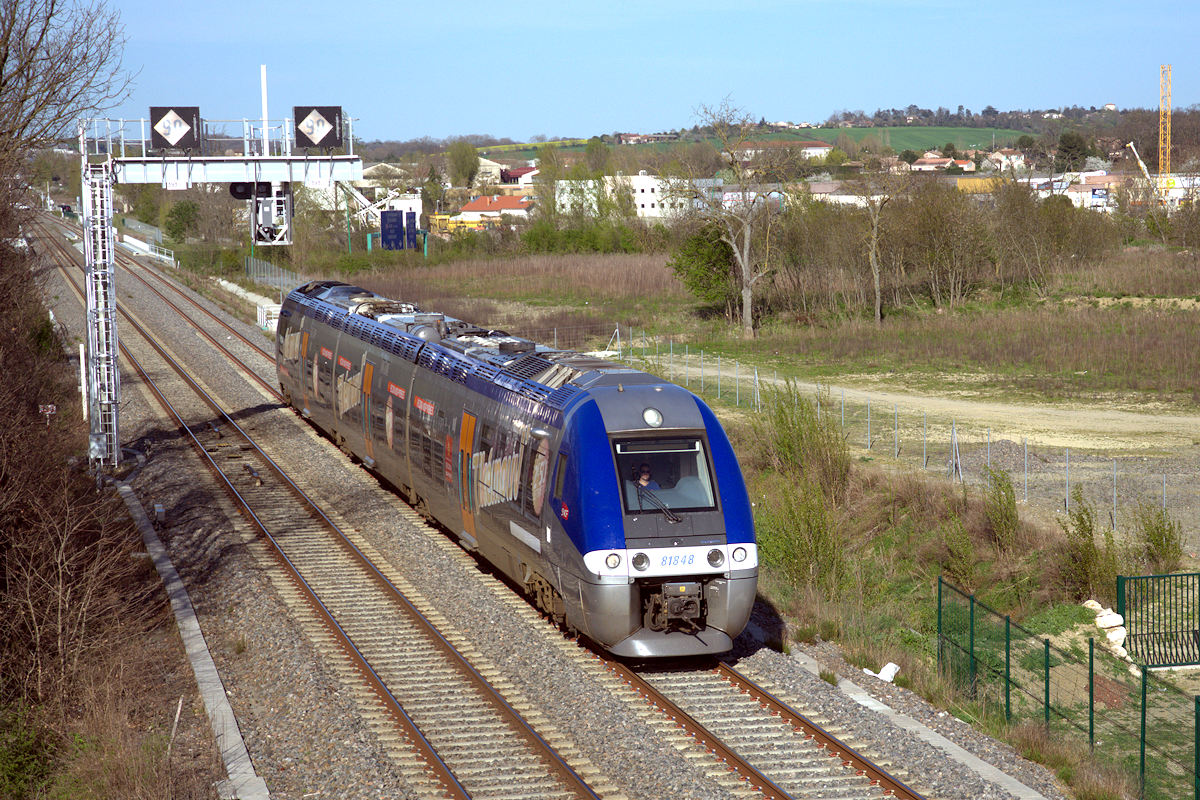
point(1137, 272)
point(1052, 349)
point(1069, 758)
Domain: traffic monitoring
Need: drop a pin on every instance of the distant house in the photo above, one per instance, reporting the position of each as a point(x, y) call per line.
point(748, 151)
point(489, 172)
point(645, 138)
point(940, 164)
point(495, 206)
point(1007, 159)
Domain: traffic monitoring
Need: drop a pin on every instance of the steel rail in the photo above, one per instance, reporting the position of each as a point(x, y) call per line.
point(830, 743)
point(567, 775)
point(694, 729)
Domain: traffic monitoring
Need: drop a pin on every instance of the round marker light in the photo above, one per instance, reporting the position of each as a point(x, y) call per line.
point(653, 417)
point(739, 554)
point(716, 558)
point(613, 561)
point(640, 561)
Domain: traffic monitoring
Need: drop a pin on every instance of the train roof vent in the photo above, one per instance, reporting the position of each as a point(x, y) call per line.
point(528, 367)
point(562, 395)
point(404, 346)
point(486, 371)
point(445, 363)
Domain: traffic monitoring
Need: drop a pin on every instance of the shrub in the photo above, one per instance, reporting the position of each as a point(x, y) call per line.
point(796, 440)
point(1159, 538)
point(26, 754)
point(1000, 507)
point(796, 535)
point(961, 563)
point(1089, 569)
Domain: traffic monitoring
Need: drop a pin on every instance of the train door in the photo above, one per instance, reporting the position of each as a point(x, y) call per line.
point(368, 377)
point(302, 377)
point(466, 477)
point(322, 377)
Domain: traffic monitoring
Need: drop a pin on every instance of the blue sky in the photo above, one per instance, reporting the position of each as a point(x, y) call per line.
point(522, 68)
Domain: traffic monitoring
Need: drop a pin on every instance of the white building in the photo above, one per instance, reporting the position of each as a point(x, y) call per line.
point(649, 195)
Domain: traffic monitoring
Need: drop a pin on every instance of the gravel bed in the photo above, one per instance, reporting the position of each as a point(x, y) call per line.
point(306, 735)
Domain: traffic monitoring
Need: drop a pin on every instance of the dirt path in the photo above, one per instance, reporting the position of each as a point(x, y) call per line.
point(1119, 454)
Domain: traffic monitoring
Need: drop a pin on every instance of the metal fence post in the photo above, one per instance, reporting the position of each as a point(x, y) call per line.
point(1046, 642)
point(1142, 738)
point(1196, 752)
point(939, 625)
point(1068, 501)
point(924, 441)
point(868, 424)
point(896, 431)
point(972, 646)
point(1092, 694)
point(1007, 668)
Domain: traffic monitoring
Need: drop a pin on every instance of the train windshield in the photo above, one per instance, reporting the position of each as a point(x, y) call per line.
point(665, 475)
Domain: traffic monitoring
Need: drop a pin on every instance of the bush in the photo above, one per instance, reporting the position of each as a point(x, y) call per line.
point(1089, 569)
point(961, 563)
point(796, 535)
point(1000, 507)
point(1159, 538)
point(26, 755)
point(796, 440)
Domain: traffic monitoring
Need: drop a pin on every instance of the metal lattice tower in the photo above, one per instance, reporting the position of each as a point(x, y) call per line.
point(1164, 123)
point(123, 150)
point(104, 379)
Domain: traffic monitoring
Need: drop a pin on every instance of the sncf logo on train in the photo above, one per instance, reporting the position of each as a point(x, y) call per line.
point(396, 391)
point(423, 405)
point(326, 353)
point(344, 362)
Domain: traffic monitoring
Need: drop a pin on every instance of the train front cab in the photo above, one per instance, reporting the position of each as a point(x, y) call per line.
point(671, 572)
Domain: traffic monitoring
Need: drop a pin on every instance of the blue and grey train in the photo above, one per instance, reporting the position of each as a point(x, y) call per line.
point(612, 497)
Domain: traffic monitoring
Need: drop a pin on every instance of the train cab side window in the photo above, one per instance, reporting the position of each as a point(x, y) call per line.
point(534, 477)
point(560, 476)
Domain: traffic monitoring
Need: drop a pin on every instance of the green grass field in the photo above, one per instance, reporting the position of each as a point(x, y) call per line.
point(899, 139)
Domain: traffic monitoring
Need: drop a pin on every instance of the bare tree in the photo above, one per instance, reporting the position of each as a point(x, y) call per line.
point(737, 204)
point(875, 191)
point(58, 61)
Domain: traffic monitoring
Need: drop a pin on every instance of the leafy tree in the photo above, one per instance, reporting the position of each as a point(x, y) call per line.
point(704, 264)
point(597, 156)
point(949, 150)
point(1026, 142)
point(1072, 151)
point(182, 219)
point(909, 156)
point(463, 161)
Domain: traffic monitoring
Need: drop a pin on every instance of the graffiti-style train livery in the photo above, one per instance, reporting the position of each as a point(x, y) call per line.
point(611, 496)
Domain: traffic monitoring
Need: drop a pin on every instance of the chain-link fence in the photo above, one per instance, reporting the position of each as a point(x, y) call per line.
point(1043, 475)
point(1130, 718)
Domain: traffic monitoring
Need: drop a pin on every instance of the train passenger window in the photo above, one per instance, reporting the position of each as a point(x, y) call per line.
point(660, 474)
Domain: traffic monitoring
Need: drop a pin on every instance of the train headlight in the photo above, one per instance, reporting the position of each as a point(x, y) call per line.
point(613, 561)
point(715, 558)
point(640, 561)
point(739, 554)
point(653, 417)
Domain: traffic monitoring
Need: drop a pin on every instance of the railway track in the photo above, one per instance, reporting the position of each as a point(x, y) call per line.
point(472, 739)
point(754, 744)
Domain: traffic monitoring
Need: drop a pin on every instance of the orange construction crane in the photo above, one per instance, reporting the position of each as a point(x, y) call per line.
point(1164, 125)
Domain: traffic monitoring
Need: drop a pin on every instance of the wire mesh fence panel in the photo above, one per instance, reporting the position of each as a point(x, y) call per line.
point(1132, 719)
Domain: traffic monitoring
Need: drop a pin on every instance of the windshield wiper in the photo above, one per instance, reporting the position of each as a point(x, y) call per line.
point(648, 494)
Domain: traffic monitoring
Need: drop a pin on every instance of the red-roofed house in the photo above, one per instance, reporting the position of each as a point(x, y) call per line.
point(495, 206)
